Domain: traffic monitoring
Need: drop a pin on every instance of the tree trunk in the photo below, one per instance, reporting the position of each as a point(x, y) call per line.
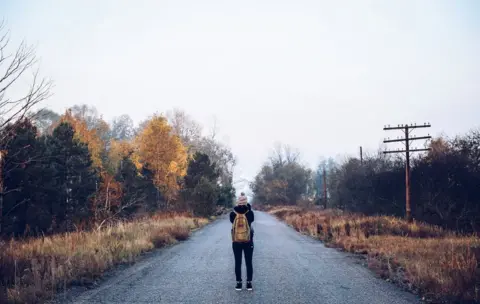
point(107, 204)
point(1, 205)
point(1, 192)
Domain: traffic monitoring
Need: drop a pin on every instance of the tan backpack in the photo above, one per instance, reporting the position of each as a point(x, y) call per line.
point(240, 228)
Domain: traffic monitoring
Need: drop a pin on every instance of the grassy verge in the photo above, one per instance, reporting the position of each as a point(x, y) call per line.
point(32, 270)
point(440, 265)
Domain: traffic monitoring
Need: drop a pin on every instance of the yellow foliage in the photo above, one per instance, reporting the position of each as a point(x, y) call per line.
point(164, 153)
point(109, 191)
point(88, 136)
point(123, 148)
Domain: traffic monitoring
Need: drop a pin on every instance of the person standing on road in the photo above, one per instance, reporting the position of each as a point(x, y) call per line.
point(241, 218)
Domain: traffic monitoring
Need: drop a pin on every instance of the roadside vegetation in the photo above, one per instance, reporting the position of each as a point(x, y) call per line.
point(359, 206)
point(37, 268)
point(79, 195)
point(438, 264)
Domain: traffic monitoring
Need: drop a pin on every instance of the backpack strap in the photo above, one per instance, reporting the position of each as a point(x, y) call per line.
point(239, 213)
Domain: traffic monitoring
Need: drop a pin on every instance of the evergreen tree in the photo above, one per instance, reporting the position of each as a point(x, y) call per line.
point(46, 192)
point(75, 179)
point(154, 198)
point(19, 176)
point(226, 195)
point(133, 187)
point(201, 189)
point(200, 166)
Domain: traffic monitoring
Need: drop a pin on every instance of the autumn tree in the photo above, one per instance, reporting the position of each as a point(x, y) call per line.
point(190, 132)
point(92, 130)
point(92, 119)
point(86, 132)
point(267, 188)
point(163, 153)
point(283, 180)
point(121, 149)
point(72, 171)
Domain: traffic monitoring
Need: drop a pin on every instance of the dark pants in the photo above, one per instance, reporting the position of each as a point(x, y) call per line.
point(247, 248)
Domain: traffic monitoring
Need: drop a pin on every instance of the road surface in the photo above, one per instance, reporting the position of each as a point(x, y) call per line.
point(288, 268)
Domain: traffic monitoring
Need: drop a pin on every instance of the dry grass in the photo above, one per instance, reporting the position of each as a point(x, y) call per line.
point(439, 264)
point(33, 270)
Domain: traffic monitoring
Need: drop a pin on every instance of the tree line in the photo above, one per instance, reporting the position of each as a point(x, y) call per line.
point(76, 171)
point(444, 183)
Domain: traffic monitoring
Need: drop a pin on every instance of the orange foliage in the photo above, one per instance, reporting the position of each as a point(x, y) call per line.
point(164, 153)
point(88, 136)
point(109, 192)
point(108, 196)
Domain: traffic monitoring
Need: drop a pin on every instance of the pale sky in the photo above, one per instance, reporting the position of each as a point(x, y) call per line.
point(322, 76)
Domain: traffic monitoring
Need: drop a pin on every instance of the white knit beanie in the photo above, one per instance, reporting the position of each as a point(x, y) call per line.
point(242, 200)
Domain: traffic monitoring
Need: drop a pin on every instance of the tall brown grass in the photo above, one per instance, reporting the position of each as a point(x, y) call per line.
point(439, 264)
point(33, 270)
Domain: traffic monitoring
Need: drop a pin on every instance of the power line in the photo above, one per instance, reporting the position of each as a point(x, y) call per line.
point(406, 141)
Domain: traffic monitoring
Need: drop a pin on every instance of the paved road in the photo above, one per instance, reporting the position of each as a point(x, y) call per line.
point(288, 268)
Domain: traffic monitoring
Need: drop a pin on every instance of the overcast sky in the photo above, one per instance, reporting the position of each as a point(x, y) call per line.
point(322, 76)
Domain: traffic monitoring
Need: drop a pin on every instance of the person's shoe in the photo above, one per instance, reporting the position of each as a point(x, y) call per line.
point(249, 286)
point(238, 286)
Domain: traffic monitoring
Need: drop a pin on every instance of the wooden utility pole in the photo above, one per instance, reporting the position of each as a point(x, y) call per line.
point(325, 187)
point(361, 156)
point(406, 141)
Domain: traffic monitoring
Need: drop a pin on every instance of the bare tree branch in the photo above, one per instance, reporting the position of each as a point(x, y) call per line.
point(17, 205)
point(283, 154)
point(214, 129)
point(13, 70)
point(134, 201)
point(185, 127)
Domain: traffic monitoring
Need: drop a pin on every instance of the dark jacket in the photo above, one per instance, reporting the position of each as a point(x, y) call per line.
point(250, 216)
